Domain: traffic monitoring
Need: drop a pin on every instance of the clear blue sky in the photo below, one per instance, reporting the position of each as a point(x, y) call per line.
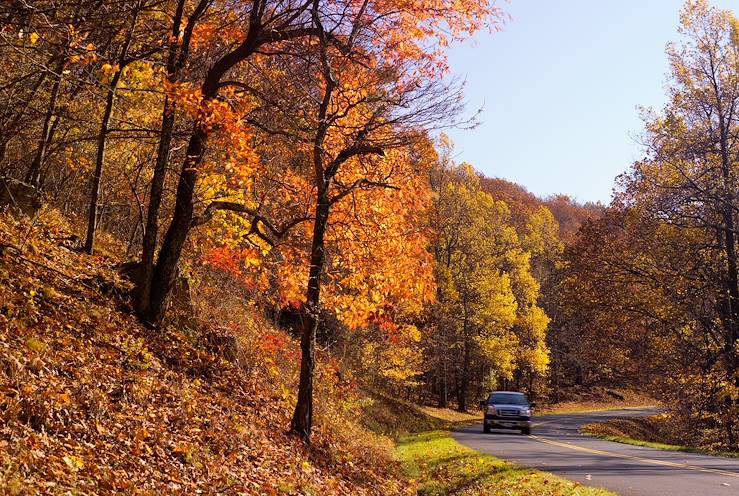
point(560, 86)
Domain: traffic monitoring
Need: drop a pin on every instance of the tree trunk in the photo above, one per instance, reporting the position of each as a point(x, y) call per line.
point(465, 373)
point(444, 387)
point(555, 375)
point(302, 420)
point(465, 378)
point(165, 271)
point(731, 317)
point(33, 177)
point(103, 135)
point(151, 230)
point(99, 164)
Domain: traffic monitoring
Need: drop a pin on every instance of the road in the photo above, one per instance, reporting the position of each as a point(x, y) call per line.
point(557, 446)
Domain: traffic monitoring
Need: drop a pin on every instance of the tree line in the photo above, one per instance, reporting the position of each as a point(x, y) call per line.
point(292, 135)
point(294, 146)
point(651, 286)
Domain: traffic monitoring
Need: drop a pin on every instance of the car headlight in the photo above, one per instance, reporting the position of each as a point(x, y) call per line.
point(525, 412)
point(491, 410)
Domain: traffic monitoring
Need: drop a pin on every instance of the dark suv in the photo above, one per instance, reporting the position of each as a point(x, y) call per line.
point(507, 410)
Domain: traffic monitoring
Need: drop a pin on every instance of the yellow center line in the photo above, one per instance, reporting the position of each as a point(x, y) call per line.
point(639, 459)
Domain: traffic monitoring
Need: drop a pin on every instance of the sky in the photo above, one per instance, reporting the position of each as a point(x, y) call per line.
point(560, 88)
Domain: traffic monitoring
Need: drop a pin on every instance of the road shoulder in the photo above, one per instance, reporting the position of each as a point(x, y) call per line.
point(437, 465)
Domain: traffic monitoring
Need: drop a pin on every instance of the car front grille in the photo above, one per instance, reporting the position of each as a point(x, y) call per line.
point(507, 413)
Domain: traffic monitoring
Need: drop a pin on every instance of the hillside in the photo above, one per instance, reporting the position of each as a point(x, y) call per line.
point(95, 403)
point(570, 214)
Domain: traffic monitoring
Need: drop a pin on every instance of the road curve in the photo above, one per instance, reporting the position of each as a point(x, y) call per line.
point(557, 446)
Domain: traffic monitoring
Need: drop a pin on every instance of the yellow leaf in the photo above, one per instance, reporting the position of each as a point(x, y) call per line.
point(34, 38)
point(74, 462)
point(35, 344)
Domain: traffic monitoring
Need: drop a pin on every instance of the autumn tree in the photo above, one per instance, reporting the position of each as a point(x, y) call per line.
point(178, 55)
point(656, 277)
point(488, 327)
point(132, 48)
point(691, 179)
point(39, 41)
point(303, 136)
point(476, 305)
point(602, 328)
point(334, 42)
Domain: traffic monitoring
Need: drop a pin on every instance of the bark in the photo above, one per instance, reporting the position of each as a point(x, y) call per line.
point(33, 177)
point(165, 270)
point(176, 59)
point(92, 216)
point(302, 420)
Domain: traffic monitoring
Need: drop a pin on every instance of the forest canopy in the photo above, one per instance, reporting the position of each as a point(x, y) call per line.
point(293, 152)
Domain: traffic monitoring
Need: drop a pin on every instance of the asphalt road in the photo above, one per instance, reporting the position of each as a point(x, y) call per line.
point(557, 446)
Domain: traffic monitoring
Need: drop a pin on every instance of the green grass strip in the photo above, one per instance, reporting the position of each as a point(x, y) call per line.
point(661, 446)
point(439, 465)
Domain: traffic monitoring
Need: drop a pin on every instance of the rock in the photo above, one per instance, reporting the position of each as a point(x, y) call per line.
point(19, 196)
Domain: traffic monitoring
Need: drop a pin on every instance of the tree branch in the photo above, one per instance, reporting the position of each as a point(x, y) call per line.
point(363, 184)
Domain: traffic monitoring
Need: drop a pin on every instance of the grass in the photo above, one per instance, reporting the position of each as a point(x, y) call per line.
point(394, 417)
point(589, 431)
point(438, 465)
point(452, 416)
point(567, 409)
point(572, 407)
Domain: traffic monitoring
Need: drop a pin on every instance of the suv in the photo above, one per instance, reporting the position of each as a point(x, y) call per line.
point(507, 410)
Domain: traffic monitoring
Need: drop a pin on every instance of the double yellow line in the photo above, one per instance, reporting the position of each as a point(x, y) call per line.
point(639, 459)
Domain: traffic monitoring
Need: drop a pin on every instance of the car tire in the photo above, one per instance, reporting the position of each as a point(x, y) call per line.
point(486, 428)
point(526, 431)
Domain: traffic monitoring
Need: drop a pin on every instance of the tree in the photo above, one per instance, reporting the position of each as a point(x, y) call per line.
point(488, 322)
point(329, 40)
point(113, 75)
point(691, 179)
point(476, 304)
point(658, 273)
point(260, 26)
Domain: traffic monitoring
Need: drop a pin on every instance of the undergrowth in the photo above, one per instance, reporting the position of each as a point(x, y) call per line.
point(95, 403)
point(657, 431)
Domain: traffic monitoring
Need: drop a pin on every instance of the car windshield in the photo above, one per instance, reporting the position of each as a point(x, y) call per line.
point(508, 399)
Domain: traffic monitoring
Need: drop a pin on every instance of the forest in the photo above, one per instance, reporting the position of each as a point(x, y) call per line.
point(268, 182)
